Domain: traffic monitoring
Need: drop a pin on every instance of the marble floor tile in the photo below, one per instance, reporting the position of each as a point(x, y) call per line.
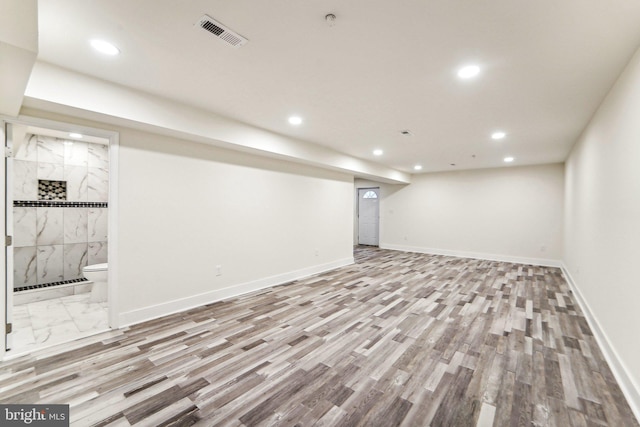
point(87, 316)
point(57, 333)
point(44, 323)
point(20, 317)
point(48, 313)
point(23, 337)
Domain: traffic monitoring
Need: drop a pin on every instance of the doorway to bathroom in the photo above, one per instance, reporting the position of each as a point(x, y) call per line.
point(57, 182)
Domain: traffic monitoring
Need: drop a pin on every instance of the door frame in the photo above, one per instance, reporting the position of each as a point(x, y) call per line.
point(357, 222)
point(112, 235)
point(6, 296)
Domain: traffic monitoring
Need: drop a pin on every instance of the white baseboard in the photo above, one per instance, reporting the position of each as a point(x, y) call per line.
point(159, 310)
point(475, 255)
point(630, 389)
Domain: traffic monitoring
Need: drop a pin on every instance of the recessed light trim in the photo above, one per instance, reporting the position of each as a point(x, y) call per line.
point(378, 152)
point(295, 120)
point(75, 135)
point(104, 47)
point(417, 167)
point(509, 159)
point(468, 72)
point(498, 135)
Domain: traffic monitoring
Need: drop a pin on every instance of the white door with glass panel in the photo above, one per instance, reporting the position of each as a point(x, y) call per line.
point(368, 216)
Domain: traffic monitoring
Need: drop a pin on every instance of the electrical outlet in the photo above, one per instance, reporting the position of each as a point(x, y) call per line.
point(218, 270)
point(317, 252)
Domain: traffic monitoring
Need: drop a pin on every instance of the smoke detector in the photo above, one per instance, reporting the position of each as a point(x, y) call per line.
point(225, 34)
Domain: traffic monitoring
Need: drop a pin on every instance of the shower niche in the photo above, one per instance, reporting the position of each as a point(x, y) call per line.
point(52, 190)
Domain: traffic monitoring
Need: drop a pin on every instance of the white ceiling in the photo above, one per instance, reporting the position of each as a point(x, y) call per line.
point(383, 67)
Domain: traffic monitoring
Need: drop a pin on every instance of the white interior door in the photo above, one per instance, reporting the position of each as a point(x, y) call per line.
point(8, 143)
point(368, 216)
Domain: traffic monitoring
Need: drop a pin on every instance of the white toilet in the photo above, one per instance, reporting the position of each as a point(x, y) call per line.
point(97, 273)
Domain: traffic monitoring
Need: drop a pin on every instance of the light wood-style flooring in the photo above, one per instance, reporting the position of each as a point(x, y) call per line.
point(397, 339)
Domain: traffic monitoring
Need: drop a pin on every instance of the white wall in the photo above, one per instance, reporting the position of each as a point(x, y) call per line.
point(602, 222)
point(512, 213)
point(186, 208)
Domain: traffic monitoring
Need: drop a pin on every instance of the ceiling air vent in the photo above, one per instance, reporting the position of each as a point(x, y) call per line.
point(222, 32)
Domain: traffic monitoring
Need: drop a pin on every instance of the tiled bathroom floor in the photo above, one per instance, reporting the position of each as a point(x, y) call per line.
point(43, 323)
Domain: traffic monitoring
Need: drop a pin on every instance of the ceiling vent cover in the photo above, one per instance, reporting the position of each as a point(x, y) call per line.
point(223, 33)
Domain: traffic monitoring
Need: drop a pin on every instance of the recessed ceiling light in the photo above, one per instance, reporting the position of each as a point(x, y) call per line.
point(468, 71)
point(417, 167)
point(104, 47)
point(498, 135)
point(378, 152)
point(295, 120)
point(508, 159)
point(75, 135)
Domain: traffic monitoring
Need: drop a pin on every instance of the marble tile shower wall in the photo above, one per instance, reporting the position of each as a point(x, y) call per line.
point(54, 240)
